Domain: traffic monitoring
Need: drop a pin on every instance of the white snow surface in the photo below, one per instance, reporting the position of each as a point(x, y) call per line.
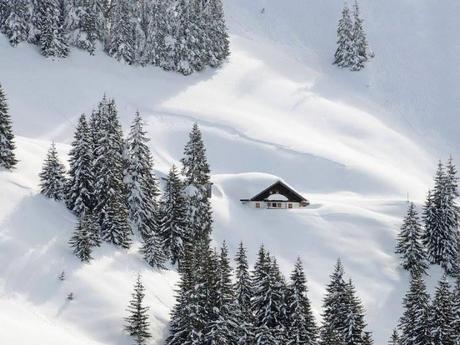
point(357, 145)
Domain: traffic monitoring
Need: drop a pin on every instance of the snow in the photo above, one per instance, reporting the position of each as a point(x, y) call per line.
point(357, 144)
point(278, 197)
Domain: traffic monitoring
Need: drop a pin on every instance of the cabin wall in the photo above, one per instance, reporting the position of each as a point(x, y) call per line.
point(270, 204)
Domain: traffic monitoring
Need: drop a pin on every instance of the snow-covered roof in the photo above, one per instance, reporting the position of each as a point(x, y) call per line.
point(277, 197)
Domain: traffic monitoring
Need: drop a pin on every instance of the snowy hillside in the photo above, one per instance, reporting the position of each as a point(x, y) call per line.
point(355, 144)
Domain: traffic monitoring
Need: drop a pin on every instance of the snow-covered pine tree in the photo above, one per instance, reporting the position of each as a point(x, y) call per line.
point(173, 228)
point(344, 55)
point(414, 324)
point(268, 305)
point(441, 237)
point(122, 36)
point(4, 12)
point(141, 182)
point(394, 339)
point(301, 327)
point(84, 24)
point(334, 308)
point(15, 26)
point(109, 191)
point(184, 37)
point(456, 311)
point(442, 315)
point(217, 35)
point(359, 40)
point(409, 245)
point(52, 176)
point(53, 41)
point(243, 295)
point(79, 190)
point(354, 323)
point(367, 339)
point(156, 24)
point(153, 252)
point(222, 328)
point(137, 323)
point(197, 182)
point(7, 145)
point(85, 237)
point(34, 21)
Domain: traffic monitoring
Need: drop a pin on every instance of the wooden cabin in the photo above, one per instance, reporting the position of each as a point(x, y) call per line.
point(277, 196)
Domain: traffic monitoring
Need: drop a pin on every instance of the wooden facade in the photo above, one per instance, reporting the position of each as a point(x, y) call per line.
point(277, 196)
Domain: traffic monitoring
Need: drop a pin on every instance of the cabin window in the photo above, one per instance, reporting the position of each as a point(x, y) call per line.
point(257, 204)
point(290, 205)
point(274, 204)
point(278, 205)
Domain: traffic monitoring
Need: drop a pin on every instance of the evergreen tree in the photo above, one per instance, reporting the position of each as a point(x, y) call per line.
point(394, 339)
point(152, 249)
point(122, 37)
point(5, 9)
point(335, 309)
point(109, 192)
point(442, 316)
point(85, 237)
point(197, 181)
point(79, 189)
point(53, 42)
point(85, 24)
point(409, 246)
point(243, 295)
point(441, 237)
point(344, 55)
point(359, 41)
point(15, 26)
point(52, 176)
point(301, 323)
point(367, 339)
point(184, 37)
point(7, 146)
point(217, 33)
point(456, 311)
point(354, 322)
point(141, 183)
point(414, 325)
point(137, 323)
point(173, 223)
point(268, 301)
point(221, 330)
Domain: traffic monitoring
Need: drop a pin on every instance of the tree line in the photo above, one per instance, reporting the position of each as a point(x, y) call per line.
point(221, 303)
point(112, 189)
point(176, 35)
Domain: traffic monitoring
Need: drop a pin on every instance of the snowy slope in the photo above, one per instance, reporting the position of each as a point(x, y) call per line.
point(356, 144)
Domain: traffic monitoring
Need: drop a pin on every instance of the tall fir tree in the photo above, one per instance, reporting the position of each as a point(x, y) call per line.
point(53, 41)
point(109, 190)
point(441, 237)
point(301, 327)
point(360, 46)
point(79, 190)
point(268, 301)
point(334, 309)
point(121, 40)
point(173, 228)
point(52, 176)
point(137, 323)
point(456, 311)
point(217, 34)
point(344, 55)
point(7, 145)
point(442, 315)
point(197, 182)
point(409, 245)
point(414, 324)
point(85, 237)
point(15, 25)
point(354, 331)
point(243, 295)
point(141, 182)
